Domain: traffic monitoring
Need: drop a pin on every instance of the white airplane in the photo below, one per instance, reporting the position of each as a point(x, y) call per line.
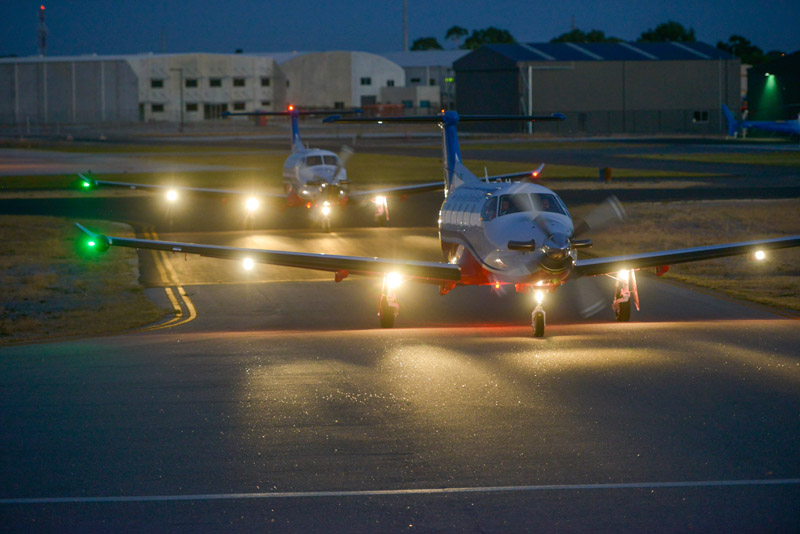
point(499, 234)
point(313, 178)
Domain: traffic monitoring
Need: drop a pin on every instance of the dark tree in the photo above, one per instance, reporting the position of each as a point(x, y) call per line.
point(668, 31)
point(749, 53)
point(580, 36)
point(426, 43)
point(456, 33)
point(490, 35)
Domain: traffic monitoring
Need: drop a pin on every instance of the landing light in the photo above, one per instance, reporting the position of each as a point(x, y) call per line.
point(326, 208)
point(393, 280)
point(623, 275)
point(172, 195)
point(380, 122)
point(380, 201)
point(252, 204)
point(248, 264)
point(760, 255)
point(539, 296)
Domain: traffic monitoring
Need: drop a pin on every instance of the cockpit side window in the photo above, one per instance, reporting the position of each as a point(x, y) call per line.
point(547, 202)
point(330, 160)
point(312, 161)
point(489, 211)
point(514, 204)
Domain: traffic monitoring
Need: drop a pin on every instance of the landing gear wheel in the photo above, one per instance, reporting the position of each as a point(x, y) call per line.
point(624, 312)
point(386, 313)
point(326, 225)
point(538, 325)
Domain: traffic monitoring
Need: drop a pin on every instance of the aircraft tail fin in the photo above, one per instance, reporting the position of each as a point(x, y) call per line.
point(733, 124)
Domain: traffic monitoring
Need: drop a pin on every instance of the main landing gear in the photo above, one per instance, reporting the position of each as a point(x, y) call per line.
point(388, 308)
point(625, 293)
point(538, 316)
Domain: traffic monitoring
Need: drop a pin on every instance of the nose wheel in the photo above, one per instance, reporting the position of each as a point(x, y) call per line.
point(388, 308)
point(538, 321)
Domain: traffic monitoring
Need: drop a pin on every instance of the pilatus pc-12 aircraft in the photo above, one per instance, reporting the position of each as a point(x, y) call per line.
point(499, 234)
point(313, 178)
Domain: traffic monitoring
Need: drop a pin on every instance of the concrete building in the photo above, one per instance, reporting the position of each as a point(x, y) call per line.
point(602, 88)
point(339, 79)
point(431, 68)
point(151, 87)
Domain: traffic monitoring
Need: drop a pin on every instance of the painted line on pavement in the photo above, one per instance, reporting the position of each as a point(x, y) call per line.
point(401, 492)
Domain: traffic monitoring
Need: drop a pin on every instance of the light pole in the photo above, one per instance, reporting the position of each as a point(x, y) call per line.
point(180, 81)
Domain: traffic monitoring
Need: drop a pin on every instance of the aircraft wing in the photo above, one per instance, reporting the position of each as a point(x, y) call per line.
point(88, 182)
point(439, 185)
point(401, 190)
point(342, 265)
point(595, 266)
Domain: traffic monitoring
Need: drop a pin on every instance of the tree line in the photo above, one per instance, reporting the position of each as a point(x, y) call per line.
point(736, 45)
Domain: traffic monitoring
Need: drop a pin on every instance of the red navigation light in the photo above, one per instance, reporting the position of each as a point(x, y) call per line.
point(291, 107)
point(41, 7)
point(535, 174)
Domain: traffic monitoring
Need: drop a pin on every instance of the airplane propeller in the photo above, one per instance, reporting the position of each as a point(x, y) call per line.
point(344, 156)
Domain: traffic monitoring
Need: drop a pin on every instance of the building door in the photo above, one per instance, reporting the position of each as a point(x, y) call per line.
point(214, 111)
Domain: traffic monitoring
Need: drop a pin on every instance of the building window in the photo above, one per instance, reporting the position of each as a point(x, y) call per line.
point(424, 103)
point(157, 108)
point(156, 83)
point(266, 103)
point(338, 105)
point(416, 80)
point(449, 79)
point(215, 82)
point(366, 81)
point(191, 107)
point(265, 81)
point(408, 104)
point(389, 83)
point(238, 106)
point(432, 81)
point(238, 82)
point(191, 82)
point(700, 116)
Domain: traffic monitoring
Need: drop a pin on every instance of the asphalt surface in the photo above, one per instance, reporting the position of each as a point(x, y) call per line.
point(277, 404)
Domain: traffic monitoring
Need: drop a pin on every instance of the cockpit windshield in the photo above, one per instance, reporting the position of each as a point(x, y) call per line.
point(330, 159)
point(548, 202)
point(514, 203)
point(519, 202)
point(312, 161)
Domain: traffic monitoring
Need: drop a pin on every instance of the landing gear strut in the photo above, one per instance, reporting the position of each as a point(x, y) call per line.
point(388, 308)
point(625, 293)
point(538, 315)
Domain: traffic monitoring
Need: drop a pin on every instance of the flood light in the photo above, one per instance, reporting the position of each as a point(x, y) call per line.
point(393, 280)
point(539, 296)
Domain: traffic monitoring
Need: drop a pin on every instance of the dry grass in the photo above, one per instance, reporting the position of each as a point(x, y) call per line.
point(50, 291)
point(774, 282)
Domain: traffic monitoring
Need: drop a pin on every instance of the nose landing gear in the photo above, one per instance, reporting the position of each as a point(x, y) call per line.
point(538, 316)
point(388, 307)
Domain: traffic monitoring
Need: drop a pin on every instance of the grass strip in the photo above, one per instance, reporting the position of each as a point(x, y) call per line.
point(50, 290)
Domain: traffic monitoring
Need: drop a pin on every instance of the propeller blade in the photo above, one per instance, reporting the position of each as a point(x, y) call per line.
point(589, 298)
point(608, 213)
point(344, 155)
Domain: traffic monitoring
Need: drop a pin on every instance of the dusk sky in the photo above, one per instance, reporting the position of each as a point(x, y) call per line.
point(128, 27)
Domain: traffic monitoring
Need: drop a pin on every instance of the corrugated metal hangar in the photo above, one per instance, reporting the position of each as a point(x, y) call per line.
point(602, 87)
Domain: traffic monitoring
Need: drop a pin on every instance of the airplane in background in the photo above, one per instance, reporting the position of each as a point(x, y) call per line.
point(313, 178)
point(783, 127)
point(496, 233)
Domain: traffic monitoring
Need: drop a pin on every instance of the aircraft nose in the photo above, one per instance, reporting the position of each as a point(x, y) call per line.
point(557, 246)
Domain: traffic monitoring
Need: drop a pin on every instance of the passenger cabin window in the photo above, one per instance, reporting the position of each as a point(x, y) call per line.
point(547, 202)
point(514, 204)
point(489, 211)
point(312, 161)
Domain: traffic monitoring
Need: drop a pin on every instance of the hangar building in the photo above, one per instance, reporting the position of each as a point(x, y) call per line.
point(149, 87)
point(601, 88)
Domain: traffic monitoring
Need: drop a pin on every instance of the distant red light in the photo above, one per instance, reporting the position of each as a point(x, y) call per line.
point(291, 107)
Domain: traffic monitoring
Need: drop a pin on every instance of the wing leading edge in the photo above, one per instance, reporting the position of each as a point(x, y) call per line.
point(430, 271)
point(595, 266)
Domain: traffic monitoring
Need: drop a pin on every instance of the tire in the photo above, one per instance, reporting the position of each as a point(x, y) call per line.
point(624, 313)
point(538, 325)
point(386, 314)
